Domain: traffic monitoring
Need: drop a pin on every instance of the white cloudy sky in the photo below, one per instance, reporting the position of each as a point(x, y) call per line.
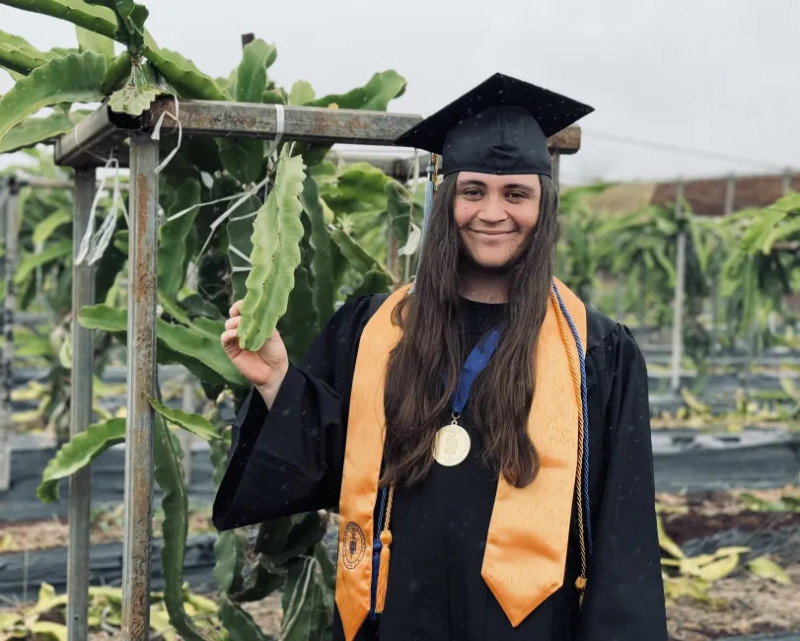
point(718, 76)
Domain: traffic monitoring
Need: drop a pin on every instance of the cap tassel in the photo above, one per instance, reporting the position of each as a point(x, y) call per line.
point(430, 189)
point(386, 555)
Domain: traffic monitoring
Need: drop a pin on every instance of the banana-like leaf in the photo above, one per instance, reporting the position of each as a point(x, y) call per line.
point(74, 78)
point(375, 95)
point(195, 346)
point(49, 630)
point(183, 74)
point(715, 570)
point(91, 41)
point(32, 131)
point(169, 476)
point(194, 423)
point(667, 544)
point(277, 232)
point(30, 262)
point(172, 254)
point(766, 568)
point(44, 229)
point(301, 93)
point(323, 294)
point(77, 453)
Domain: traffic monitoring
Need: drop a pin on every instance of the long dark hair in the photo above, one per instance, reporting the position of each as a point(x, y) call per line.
point(432, 344)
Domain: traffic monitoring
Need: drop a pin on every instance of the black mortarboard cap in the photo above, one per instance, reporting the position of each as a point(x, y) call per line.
point(499, 127)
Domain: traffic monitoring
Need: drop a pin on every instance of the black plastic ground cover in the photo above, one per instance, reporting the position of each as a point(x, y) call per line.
point(21, 573)
point(19, 503)
point(684, 460)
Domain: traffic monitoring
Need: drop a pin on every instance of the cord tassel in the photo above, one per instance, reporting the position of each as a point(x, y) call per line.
point(580, 583)
point(383, 571)
point(386, 555)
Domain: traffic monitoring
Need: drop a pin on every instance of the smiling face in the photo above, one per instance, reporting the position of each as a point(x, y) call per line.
point(495, 216)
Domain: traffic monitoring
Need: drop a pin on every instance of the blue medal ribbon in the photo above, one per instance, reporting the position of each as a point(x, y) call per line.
point(476, 362)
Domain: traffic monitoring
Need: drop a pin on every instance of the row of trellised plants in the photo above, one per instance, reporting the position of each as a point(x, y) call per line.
point(328, 228)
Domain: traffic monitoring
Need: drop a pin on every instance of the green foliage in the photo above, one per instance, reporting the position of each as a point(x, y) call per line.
point(142, 88)
point(78, 453)
point(169, 476)
point(74, 78)
point(196, 346)
point(321, 263)
point(194, 423)
point(277, 231)
point(173, 254)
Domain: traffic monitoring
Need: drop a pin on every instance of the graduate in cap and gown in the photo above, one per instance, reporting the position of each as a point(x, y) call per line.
point(484, 434)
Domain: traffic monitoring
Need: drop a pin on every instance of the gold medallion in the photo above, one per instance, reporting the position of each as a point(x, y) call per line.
point(451, 444)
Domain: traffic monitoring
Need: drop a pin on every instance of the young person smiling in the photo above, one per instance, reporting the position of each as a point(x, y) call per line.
point(484, 435)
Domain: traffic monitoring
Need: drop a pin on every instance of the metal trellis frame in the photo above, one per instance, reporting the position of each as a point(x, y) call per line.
point(85, 147)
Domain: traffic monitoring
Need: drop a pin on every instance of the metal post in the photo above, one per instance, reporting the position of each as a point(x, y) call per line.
point(5, 375)
point(730, 194)
point(141, 387)
point(786, 182)
point(80, 497)
point(680, 277)
point(555, 162)
point(9, 307)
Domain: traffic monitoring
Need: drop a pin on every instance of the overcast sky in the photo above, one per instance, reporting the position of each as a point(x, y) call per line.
point(718, 76)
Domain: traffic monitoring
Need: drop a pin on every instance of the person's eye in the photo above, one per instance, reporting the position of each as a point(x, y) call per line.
point(472, 192)
point(515, 196)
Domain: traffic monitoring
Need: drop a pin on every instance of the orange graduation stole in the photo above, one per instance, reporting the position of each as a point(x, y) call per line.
point(526, 547)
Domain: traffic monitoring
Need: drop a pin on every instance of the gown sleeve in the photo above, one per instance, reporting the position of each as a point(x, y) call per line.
point(624, 598)
point(289, 459)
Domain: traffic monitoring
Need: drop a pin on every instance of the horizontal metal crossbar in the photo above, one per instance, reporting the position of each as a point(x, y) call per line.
point(104, 132)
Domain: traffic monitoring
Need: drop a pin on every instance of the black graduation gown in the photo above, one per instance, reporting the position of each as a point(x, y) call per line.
point(290, 460)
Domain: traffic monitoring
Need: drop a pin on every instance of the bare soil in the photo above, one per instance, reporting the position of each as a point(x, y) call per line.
point(105, 527)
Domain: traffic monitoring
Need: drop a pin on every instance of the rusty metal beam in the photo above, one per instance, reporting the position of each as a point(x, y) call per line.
point(306, 124)
point(80, 487)
point(94, 138)
point(141, 388)
point(91, 141)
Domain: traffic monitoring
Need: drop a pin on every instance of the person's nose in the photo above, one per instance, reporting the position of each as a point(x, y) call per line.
point(493, 210)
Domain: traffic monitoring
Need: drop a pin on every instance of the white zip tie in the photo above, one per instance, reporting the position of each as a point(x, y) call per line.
point(183, 212)
point(244, 216)
point(240, 253)
point(241, 268)
point(103, 237)
point(156, 135)
point(84, 247)
point(222, 217)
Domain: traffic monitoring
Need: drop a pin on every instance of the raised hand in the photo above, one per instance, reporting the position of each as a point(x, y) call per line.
point(265, 368)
